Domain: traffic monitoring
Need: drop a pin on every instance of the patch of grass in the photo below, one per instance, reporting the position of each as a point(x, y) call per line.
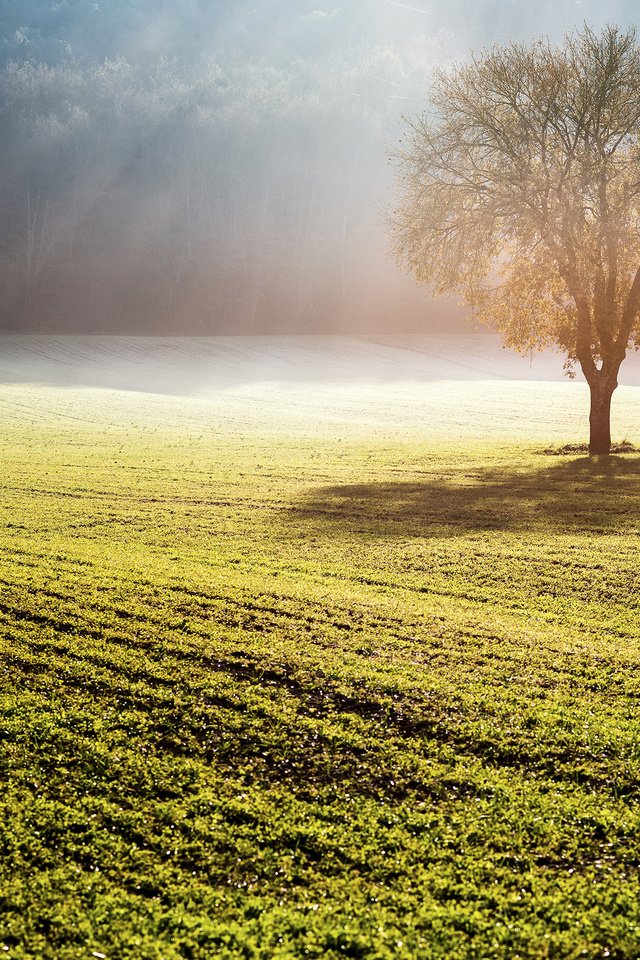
point(273, 695)
point(569, 449)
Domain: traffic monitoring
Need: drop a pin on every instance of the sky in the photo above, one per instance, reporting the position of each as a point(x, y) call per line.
point(205, 167)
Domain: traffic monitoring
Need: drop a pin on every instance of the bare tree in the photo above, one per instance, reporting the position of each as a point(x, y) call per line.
point(520, 189)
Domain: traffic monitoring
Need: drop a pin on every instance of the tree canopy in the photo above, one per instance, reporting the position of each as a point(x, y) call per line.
point(520, 189)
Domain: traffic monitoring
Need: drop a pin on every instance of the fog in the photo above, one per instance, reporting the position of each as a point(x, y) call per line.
point(221, 168)
point(184, 366)
point(209, 366)
point(438, 387)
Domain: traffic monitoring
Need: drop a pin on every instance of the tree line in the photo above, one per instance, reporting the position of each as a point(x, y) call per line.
point(215, 167)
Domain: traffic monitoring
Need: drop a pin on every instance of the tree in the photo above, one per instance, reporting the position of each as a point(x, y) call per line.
point(520, 189)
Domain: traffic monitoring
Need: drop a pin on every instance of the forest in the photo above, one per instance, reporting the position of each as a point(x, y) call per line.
point(221, 169)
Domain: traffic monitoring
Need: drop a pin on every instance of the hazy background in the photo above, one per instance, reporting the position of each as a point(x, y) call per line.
point(221, 167)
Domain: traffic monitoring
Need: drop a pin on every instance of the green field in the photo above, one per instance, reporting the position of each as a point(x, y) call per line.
point(318, 671)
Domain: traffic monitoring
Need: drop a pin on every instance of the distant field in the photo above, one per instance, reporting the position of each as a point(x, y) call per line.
point(311, 651)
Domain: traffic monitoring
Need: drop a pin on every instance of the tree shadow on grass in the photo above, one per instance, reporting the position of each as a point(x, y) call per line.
point(590, 495)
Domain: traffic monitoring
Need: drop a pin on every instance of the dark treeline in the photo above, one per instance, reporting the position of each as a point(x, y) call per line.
point(218, 171)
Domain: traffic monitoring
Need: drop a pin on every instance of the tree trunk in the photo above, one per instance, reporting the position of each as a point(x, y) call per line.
point(600, 416)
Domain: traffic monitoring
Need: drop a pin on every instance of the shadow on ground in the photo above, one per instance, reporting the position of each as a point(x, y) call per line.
point(590, 495)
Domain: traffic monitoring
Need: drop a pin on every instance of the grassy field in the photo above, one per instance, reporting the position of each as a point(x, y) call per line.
point(313, 670)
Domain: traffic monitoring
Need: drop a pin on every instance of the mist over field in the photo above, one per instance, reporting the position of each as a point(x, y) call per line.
point(222, 167)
